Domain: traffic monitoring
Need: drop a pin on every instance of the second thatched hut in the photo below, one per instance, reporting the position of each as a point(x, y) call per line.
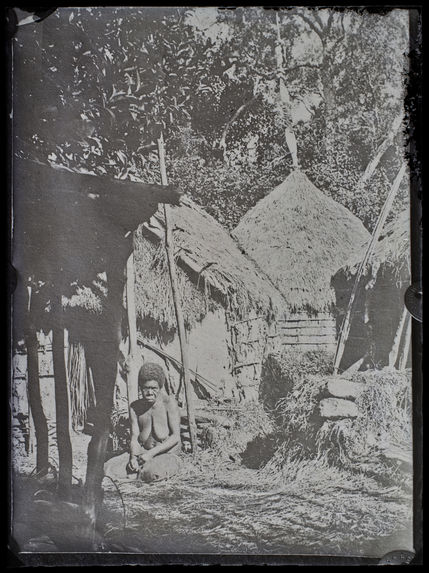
point(300, 237)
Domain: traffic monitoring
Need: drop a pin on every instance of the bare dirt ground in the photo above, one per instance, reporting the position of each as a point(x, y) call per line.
point(218, 506)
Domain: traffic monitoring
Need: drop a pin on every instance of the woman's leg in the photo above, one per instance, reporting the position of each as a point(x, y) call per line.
point(161, 467)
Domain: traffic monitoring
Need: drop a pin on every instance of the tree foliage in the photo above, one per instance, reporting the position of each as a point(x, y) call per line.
point(94, 87)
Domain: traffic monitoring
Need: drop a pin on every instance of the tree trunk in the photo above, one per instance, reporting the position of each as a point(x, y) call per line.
point(102, 357)
point(62, 408)
point(381, 150)
point(345, 329)
point(103, 362)
point(169, 245)
point(35, 402)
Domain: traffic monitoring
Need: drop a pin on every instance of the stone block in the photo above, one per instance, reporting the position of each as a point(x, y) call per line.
point(338, 408)
point(341, 388)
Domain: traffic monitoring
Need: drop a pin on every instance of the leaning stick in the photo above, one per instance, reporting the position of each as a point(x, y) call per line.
point(169, 246)
point(345, 329)
point(393, 355)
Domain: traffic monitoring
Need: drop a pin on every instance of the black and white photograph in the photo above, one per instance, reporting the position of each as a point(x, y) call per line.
point(211, 352)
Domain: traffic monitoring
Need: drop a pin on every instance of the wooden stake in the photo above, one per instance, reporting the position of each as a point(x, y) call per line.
point(169, 246)
point(345, 329)
point(393, 355)
point(132, 375)
point(404, 358)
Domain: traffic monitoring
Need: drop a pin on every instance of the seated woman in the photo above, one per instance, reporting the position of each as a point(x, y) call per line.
point(155, 431)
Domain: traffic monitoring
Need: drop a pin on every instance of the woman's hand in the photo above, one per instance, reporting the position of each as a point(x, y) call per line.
point(146, 457)
point(133, 464)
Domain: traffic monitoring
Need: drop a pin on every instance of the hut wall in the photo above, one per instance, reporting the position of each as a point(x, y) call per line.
point(46, 374)
point(385, 306)
point(208, 353)
point(251, 341)
point(19, 395)
point(375, 318)
point(307, 332)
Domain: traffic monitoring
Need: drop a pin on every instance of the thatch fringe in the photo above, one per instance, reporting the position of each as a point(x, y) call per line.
point(82, 393)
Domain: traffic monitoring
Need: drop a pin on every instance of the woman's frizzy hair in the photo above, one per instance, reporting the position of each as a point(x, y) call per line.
point(152, 371)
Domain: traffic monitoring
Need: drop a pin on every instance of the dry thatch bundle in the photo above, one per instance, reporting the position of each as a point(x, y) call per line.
point(212, 271)
point(300, 237)
point(82, 393)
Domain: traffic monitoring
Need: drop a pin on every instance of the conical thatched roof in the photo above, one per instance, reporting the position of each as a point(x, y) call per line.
point(391, 251)
point(300, 237)
point(212, 271)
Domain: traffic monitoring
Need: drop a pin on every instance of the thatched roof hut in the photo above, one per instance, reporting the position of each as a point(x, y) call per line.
point(228, 303)
point(213, 272)
point(391, 253)
point(300, 237)
point(379, 306)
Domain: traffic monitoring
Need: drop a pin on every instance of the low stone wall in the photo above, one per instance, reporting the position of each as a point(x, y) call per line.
point(340, 401)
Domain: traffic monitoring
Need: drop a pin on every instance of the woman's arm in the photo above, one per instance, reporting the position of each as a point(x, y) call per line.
point(135, 447)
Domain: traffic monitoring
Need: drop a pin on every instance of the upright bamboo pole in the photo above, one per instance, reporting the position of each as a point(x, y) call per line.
point(169, 246)
point(132, 375)
point(393, 354)
point(345, 329)
point(404, 357)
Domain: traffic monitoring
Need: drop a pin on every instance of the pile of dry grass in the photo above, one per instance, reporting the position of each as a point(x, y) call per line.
point(300, 237)
point(377, 442)
point(247, 424)
point(287, 371)
point(380, 439)
point(211, 270)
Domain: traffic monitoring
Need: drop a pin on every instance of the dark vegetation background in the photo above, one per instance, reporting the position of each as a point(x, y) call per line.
point(95, 86)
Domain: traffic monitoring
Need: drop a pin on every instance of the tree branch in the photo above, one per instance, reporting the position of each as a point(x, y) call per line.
point(312, 25)
point(221, 143)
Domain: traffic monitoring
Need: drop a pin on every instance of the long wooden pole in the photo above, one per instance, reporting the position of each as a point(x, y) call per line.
point(345, 329)
point(169, 246)
point(132, 375)
point(404, 358)
point(393, 354)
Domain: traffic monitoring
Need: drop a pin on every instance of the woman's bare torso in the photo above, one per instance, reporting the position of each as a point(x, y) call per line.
point(153, 422)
